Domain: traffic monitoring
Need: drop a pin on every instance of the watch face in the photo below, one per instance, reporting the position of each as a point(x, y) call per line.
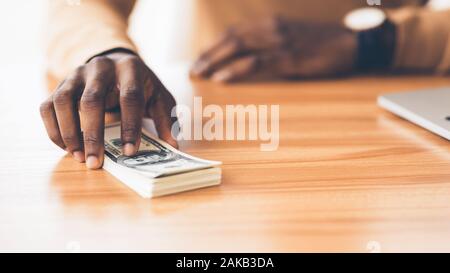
point(364, 19)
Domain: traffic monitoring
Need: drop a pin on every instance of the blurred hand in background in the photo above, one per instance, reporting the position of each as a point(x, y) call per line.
point(280, 48)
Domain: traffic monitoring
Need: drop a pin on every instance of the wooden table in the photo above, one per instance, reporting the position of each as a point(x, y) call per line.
point(347, 176)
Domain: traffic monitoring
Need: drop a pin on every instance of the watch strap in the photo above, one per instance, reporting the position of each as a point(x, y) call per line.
point(376, 47)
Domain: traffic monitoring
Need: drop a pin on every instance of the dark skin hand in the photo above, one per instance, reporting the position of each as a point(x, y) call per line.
point(278, 48)
point(117, 80)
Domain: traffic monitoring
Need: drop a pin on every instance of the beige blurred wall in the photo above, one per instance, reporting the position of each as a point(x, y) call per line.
point(162, 29)
point(21, 26)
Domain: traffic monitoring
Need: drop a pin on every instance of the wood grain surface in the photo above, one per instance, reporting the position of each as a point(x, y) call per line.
point(347, 176)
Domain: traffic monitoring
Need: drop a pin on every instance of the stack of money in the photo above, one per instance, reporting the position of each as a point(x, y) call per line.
point(157, 169)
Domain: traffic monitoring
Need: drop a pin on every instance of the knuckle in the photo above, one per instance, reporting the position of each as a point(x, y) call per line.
point(76, 73)
point(101, 68)
point(62, 97)
point(97, 83)
point(91, 139)
point(74, 78)
point(101, 79)
point(69, 85)
point(100, 76)
point(91, 97)
point(100, 60)
point(132, 96)
point(56, 139)
point(46, 108)
point(70, 140)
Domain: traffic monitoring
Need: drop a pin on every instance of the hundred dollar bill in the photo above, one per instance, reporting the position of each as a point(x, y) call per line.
point(154, 159)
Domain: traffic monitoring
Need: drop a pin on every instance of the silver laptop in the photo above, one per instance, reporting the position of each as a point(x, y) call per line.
point(429, 109)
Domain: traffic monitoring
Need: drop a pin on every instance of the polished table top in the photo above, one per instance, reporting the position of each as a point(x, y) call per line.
point(347, 176)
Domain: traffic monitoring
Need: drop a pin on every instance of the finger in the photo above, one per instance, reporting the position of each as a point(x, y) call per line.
point(221, 53)
point(65, 101)
point(99, 80)
point(236, 70)
point(160, 110)
point(132, 102)
point(267, 34)
point(48, 115)
point(199, 64)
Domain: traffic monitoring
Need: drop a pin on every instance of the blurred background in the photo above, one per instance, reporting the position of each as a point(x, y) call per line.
point(22, 28)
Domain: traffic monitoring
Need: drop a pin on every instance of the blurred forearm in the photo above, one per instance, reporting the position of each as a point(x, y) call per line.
point(75, 33)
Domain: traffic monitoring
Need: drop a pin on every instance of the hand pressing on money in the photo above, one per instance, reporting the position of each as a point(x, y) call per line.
point(74, 115)
point(278, 47)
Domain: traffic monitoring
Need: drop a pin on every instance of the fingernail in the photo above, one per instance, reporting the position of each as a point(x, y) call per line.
point(92, 162)
point(129, 149)
point(78, 156)
point(221, 76)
